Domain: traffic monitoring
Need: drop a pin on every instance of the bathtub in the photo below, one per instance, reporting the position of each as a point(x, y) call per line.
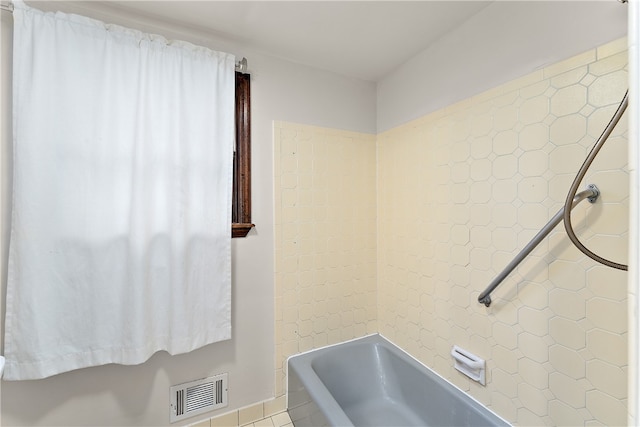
point(371, 382)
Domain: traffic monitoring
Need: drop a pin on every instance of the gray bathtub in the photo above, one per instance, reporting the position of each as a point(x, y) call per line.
point(371, 382)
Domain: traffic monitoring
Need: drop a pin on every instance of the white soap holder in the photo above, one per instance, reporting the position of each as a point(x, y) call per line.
point(469, 364)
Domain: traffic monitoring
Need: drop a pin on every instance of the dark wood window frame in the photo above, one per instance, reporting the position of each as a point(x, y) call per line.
point(241, 203)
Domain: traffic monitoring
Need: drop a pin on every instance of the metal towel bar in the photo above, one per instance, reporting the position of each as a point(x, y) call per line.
point(591, 193)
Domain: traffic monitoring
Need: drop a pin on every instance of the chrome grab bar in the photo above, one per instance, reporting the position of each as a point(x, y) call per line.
point(591, 193)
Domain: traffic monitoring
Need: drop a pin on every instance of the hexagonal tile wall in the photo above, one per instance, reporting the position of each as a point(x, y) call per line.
point(325, 238)
point(492, 171)
point(399, 233)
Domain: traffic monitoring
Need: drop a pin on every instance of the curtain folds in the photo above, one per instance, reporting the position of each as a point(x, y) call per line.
point(121, 214)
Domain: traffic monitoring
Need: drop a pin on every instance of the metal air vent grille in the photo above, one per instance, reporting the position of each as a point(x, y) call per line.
point(197, 397)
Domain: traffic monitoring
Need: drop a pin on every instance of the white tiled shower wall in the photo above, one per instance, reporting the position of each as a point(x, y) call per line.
point(398, 233)
point(478, 180)
point(325, 236)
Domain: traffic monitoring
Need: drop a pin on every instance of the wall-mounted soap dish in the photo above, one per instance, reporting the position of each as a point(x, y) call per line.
point(469, 364)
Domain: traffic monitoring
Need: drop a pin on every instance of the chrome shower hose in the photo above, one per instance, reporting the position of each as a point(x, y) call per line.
point(580, 175)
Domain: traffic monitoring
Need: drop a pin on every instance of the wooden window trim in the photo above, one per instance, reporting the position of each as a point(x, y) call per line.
point(241, 203)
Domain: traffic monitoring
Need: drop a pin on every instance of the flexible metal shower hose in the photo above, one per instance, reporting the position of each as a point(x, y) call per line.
point(576, 182)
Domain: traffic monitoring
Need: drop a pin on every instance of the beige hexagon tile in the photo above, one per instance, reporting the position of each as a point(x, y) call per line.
point(607, 378)
point(533, 294)
point(533, 347)
point(505, 167)
point(531, 216)
point(600, 116)
point(503, 215)
point(534, 321)
point(568, 130)
point(533, 163)
point(607, 346)
point(560, 248)
point(534, 137)
point(603, 283)
point(532, 399)
point(533, 373)
point(568, 78)
point(504, 406)
point(569, 100)
point(558, 185)
point(609, 246)
point(612, 156)
point(608, 89)
point(567, 304)
point(567, 361)
point(567, 333)
point(533, 189)
point(567, 275)
point(534, 110)
point(607, 314)
point(566, 159)
point(607, 409)
point(529, 418)
point(567, 389)
point(564, 415)
point(505, 191)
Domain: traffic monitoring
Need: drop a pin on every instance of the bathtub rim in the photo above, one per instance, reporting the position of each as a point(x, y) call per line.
point(373, 338)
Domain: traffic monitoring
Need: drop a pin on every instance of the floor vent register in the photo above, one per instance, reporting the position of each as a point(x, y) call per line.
point(196, 397)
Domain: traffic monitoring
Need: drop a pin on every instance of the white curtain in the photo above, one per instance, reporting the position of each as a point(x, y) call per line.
point(121, 212)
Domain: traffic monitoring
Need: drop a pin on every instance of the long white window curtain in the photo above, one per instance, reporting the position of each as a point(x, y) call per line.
point(121, 212)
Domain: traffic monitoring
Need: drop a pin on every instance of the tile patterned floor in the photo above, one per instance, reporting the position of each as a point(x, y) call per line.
point(278, 420)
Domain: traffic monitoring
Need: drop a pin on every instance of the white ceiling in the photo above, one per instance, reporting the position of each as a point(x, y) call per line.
point(360, 39)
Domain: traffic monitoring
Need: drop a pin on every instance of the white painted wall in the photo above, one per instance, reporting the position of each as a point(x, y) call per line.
point(139, 395)
point(504, 41)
